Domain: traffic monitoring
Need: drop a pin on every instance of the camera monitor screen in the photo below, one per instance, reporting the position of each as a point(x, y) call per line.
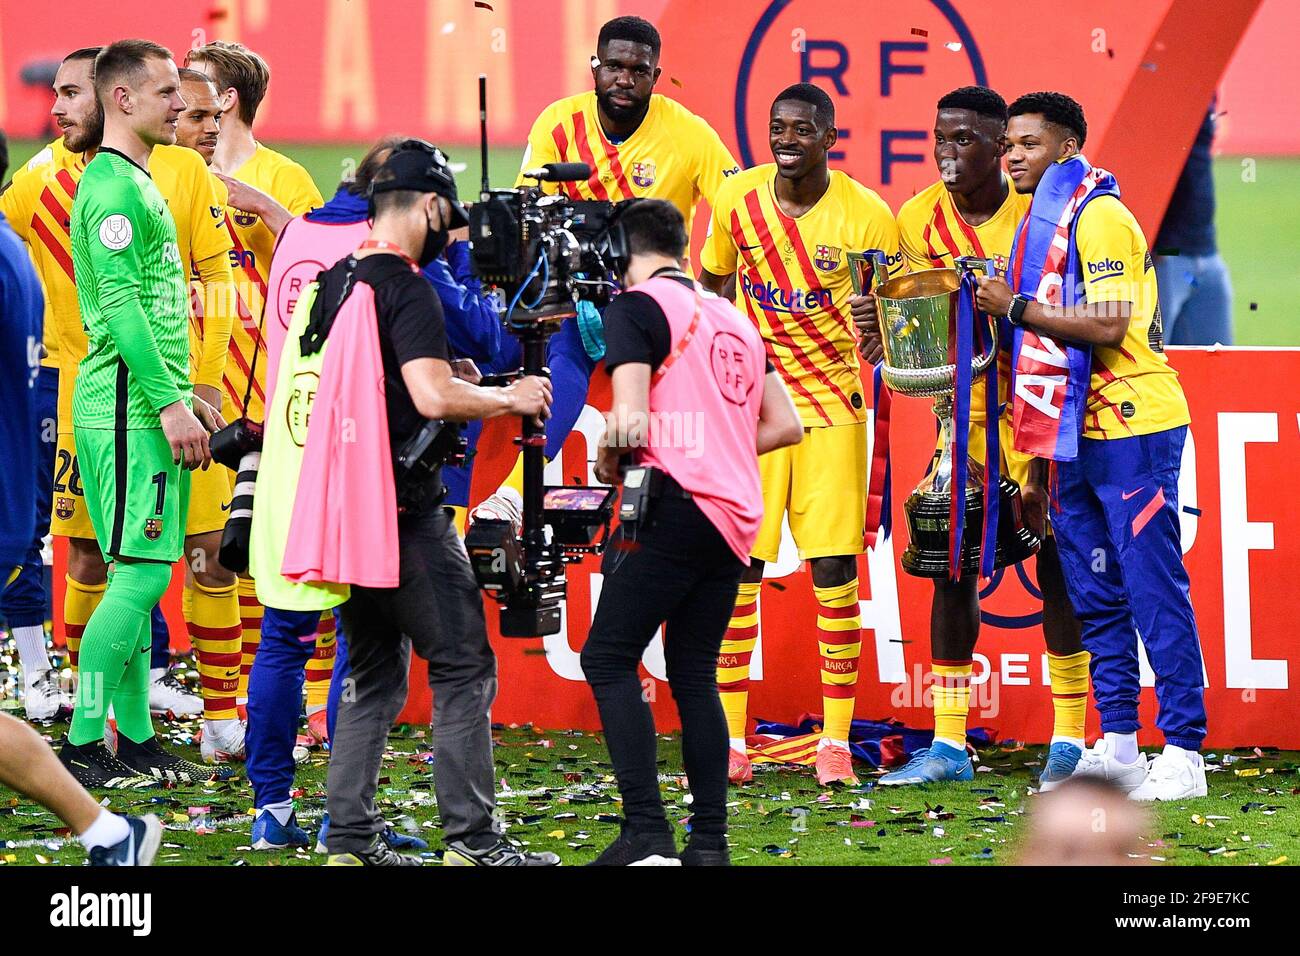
point(577, 499)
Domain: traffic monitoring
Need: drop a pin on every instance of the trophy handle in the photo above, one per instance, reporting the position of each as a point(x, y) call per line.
point(989, 268)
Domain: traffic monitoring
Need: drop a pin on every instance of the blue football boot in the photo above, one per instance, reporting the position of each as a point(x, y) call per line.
point(270, 834)
point(936, 764)
point(1062, 758)
point(396, 840)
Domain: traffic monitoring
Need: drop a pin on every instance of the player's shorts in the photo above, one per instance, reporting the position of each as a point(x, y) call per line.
point(822, 483)
point(135, 494)
point(209, 499)
point(70, 518)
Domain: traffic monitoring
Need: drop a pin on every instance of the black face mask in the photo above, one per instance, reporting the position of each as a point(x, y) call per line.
point(434, 243)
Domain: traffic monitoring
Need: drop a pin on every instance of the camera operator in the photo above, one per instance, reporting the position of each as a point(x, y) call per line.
point(408, 574)
point(690, 513)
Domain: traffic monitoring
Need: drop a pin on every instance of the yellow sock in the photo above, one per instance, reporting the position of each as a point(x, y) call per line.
point(79, 602)
point(733, 660)
point(212, 617)
point(1069, 677)
point(515, 479)
point(320, 669)
point(951, 699)
point(839, 635)
point(250, 619)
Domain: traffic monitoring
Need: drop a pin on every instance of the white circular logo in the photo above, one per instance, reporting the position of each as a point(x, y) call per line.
point(115, 232)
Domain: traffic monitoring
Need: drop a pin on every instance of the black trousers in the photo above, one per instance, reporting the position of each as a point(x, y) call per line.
point(676, 571)
point(436, 610)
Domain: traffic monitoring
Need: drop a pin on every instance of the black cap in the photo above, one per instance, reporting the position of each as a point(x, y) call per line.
point(423, 168)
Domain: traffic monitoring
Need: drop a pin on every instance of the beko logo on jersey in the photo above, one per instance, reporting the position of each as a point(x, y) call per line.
point(775, 299)
point(115, 232)
point(1105, 269)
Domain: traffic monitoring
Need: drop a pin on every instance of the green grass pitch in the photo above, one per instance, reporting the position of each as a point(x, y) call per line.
point(556, 791)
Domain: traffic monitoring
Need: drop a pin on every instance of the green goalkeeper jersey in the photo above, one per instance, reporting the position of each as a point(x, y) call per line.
point(134, 299)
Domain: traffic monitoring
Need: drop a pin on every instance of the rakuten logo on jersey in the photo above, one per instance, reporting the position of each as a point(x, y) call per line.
point(773, 298)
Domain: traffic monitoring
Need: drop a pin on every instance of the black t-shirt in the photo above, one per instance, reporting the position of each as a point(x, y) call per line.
point(410, 327)
point(636, 330)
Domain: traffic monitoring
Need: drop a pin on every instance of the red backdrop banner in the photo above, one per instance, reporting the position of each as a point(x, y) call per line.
point(1240, 528)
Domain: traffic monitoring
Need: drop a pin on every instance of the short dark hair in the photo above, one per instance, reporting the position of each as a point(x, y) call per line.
point(235, 66)
point(376, 156)
point(654, 226)
point(1056, 108)
point(4, 155)
point(194, 76)
point(823, 106)
point(977, 99)
point(631, 29)
point(83, 53)
point(125, 60)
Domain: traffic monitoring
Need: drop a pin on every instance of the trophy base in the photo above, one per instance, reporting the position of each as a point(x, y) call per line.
point(928, 530)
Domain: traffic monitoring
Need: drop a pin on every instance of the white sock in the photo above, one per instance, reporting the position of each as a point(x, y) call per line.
point(282, 811)
point(738, 744)
point(107, 829)
point(830, 742)
point(1123, 746)
point(1077, 741)
point(31, 651)
point(1191, 755)
point(957, 745)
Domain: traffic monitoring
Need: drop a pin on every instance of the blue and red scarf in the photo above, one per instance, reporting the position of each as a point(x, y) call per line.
point(1050, 379)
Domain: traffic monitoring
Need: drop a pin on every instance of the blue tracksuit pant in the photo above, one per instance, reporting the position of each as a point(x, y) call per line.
point(24, 602)
point(1116, 524)
point(275, 699)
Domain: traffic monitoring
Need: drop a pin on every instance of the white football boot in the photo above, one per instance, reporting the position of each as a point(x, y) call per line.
point(167, 695)
point(504, 504)
point(223, 740)
point(43, 698)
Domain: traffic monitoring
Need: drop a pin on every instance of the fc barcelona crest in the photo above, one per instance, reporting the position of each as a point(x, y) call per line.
point(64, 507)
point(153, 528)
point(643, 174)
point(827, 258)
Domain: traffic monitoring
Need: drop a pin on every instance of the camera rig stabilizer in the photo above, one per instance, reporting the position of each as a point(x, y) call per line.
point(545, 254)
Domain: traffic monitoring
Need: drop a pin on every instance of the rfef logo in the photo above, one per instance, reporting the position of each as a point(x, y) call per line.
point(884, 83)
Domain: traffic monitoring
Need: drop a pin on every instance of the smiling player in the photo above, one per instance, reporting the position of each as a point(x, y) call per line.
point(782, 229)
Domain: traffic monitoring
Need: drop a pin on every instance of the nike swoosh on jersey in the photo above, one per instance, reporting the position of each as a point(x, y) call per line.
point(1127, 495)
point(226, 506)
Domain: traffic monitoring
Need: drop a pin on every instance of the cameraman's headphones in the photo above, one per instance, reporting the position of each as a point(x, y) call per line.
point(418, 165)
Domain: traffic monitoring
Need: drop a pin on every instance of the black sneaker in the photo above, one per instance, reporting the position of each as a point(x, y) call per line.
point(501, 853)
point(639, 849)
point(150, 758)
point(706, 851)
point(137, 849)
point(96, 768)
point(378, 853)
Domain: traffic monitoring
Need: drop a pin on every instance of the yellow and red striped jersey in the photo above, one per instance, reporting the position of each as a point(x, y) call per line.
point(38, 205)
point(673, 155)
point(1134, 390)
point(43, 201)
point(291, 186)
point(793, 279)
point(933, 235)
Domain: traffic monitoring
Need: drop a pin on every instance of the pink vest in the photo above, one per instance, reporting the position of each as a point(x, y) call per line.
point(303, 250)
point(704, 410)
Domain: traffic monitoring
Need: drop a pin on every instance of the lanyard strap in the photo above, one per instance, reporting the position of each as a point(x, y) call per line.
point(685, 340)
point(392, 247)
